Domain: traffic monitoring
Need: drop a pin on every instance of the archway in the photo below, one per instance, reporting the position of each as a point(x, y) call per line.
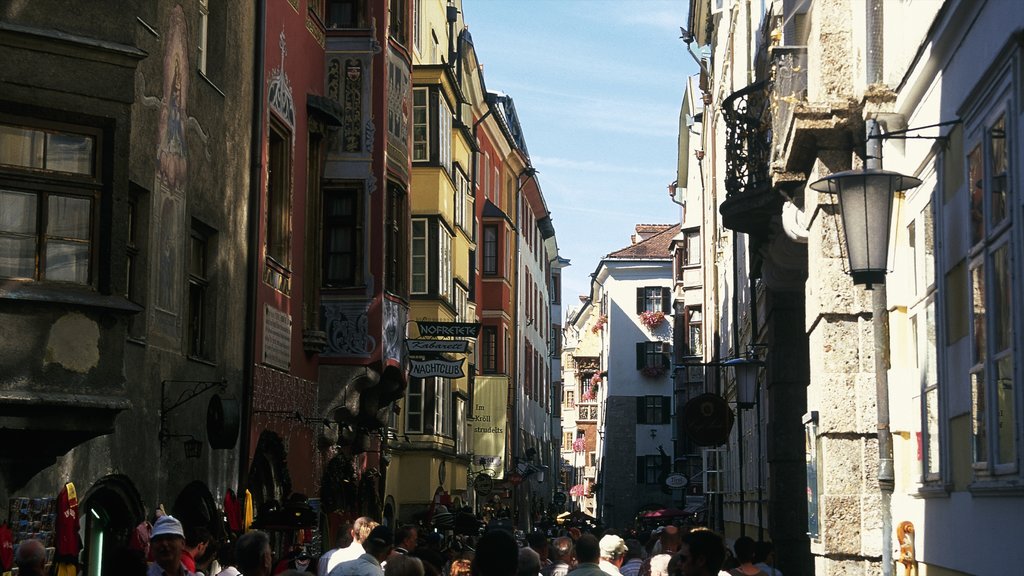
point(110, 513)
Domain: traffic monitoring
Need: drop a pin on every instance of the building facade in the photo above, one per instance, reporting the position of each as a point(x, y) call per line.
point(907, 391)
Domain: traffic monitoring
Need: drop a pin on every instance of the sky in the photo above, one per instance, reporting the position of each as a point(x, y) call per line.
point(597, 85)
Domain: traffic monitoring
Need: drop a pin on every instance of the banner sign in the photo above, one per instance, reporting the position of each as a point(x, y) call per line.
point(440, 346)
point(490, 413)
point(453, 329)
point(438, 367)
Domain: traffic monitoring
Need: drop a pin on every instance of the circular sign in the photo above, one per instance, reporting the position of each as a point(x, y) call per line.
point(558, 499)
point(707, 420)
point(676, 481)
point(483, 484)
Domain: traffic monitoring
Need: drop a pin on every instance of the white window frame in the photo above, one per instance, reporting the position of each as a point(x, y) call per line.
point(420, 249)
point(421, 124)
point(444, 263)
point(203, 46)
point(444, 134)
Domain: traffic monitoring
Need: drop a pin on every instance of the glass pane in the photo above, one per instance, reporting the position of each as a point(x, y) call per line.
point(67, 261)
point(1000, 185)
point(978, 416)
point(930, 347)
point(68, 217)
point(1006, 412)
point(976, 180)
point(1001, 300)
point(197, 259)
point(931, 405)
point(21, 147)
point(17, 212)
point(69, 153)
point(978, 311)
point(17, 256)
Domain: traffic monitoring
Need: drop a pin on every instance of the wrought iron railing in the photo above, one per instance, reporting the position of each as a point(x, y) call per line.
point(748, 140)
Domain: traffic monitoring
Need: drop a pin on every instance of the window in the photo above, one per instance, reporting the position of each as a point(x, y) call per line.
point(429, 406)
point(136, 269)
point(489, 349)
point(343, 235)
point(460, 425)
point(279, 197)
point(567, 439)
point(653, 299)
point(47, 228)
point(587, 412)
point(490, 250)
point(992, 374)
point(444, 134)
point(691, 247)
point(204, 20)
point(459, 202)
point(653, 410)
point(556, 289)
point(198, 298)
point(395, 241)
point(444, 263)
point(648, 469)
point(421, 124)
point(694, 331)
point(570, 399)
point(417, 16)
point(461, 303)
point(653, 356)
point(420, 245)
point(344, 14)
point(397, 21)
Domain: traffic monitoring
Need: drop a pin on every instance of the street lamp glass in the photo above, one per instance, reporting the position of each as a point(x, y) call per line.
point(865, 204)
point(746, 380)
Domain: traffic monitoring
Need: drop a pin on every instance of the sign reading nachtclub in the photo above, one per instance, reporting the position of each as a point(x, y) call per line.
point(437, 367)
point(452, 329)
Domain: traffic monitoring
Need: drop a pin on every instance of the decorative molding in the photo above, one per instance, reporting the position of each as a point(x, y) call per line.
point(279, 92)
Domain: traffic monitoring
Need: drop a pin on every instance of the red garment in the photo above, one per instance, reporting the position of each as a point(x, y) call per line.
point(67, 542)
point(233, 511)
point(6, 548)
point(188, 560)
point(139, 538)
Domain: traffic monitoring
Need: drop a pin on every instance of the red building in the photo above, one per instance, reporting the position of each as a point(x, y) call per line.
point(330, 264)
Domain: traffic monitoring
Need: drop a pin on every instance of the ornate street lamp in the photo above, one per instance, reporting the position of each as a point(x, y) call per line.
point(865, 206)
point(746, 379)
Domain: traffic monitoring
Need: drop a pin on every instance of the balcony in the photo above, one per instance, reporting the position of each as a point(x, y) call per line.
point(590, 471)
point(750, 200)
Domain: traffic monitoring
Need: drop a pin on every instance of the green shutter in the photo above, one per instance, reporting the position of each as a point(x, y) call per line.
point(640, 355)
point(666, 409)
point(666, 301)
point(639, 300)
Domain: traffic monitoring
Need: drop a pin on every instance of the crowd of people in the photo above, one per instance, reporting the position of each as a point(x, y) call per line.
point(366, 548)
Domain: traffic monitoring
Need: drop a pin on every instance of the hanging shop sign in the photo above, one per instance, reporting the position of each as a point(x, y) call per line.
point(420, 346)
point(676, 481)
point(483, 484)
point(449, 329)
point(707, 420)
point(436, 367)
point(490, 416)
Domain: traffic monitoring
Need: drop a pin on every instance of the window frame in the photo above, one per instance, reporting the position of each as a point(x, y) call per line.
point(43, 183)
point(421, 121)
point(353, 224)
point(199, 325)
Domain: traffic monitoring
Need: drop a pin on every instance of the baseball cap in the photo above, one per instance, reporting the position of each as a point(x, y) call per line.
point(612, 546)
point(167, 526)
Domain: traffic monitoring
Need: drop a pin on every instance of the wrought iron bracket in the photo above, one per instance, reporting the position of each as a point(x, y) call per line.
point(167, 406)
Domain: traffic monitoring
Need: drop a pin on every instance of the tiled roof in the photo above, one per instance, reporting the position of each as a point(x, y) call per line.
point(655, 242)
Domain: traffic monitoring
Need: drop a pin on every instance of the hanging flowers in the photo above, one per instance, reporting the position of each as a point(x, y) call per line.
point(652, 319)
point(595, 379)
point(652, 371)
point(579, 444)
point(599, 325)
point(590, 394)
point(578, 490)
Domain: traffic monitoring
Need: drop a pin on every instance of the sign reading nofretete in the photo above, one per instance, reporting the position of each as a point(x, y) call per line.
point(451, 329)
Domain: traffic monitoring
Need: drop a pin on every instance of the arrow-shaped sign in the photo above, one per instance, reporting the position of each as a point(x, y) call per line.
point(422, 345)
point(437, 367)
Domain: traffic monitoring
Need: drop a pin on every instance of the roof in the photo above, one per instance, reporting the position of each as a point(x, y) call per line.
point(655, 242)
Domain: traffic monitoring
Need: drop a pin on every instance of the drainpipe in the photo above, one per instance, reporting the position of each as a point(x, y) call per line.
point(253, 234)
point(880, 327)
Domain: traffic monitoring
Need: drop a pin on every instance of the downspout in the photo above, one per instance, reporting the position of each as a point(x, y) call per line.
point(880, 327)
point(252, 282)
point(736, 352)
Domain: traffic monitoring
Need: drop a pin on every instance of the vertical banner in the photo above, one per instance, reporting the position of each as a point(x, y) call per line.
point(490, 412)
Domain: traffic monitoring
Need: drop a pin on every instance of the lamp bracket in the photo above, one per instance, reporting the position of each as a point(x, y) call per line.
point(198, 388)
point(905, 134)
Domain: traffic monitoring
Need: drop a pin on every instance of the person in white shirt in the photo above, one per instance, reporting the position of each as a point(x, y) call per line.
point(377, 545)
point(361, 529)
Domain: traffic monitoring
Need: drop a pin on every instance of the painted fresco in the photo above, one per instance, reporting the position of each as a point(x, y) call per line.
point(346, 324)
point(171, 181)
point(394, 321)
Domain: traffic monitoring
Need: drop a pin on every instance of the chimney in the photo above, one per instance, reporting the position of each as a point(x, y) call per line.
point(632, 238)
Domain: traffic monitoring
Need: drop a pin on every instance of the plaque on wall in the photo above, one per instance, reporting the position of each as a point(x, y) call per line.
point(277, 338)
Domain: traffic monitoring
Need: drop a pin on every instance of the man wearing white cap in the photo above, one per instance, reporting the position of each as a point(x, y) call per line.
point(613, 552)
point(167, 542)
